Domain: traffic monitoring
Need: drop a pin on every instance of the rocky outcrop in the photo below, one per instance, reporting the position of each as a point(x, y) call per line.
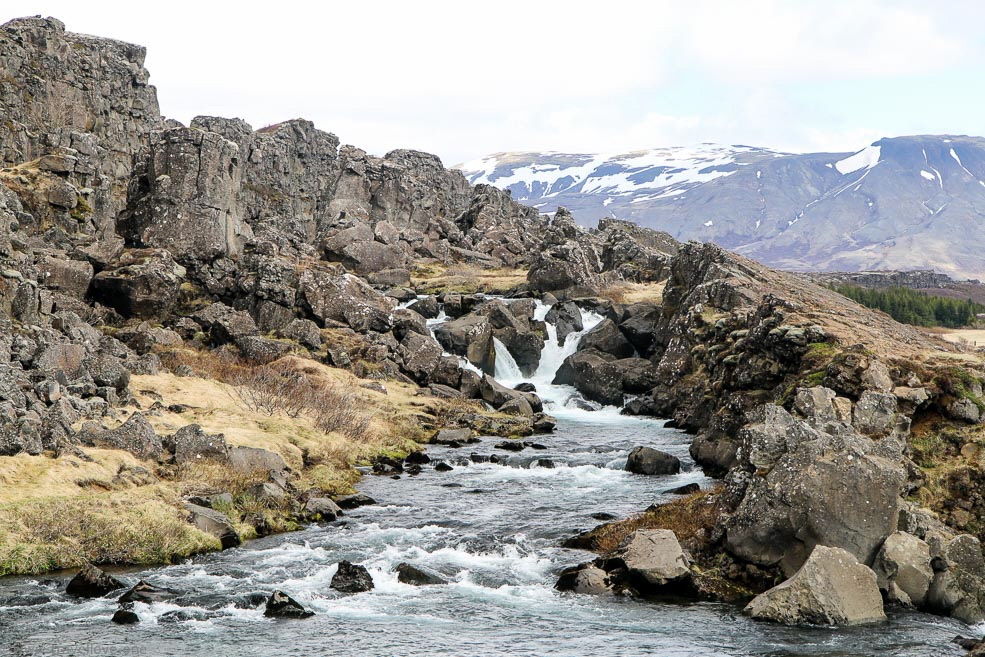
point(831, 588)
point(91, 582)
point(653, 558)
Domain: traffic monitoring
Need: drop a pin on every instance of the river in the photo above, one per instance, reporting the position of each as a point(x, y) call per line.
point(491, 529)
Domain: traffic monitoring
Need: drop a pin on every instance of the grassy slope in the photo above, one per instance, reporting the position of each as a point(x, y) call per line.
point(58, 513)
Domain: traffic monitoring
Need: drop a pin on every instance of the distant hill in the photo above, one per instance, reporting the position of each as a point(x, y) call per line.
point(900, 203)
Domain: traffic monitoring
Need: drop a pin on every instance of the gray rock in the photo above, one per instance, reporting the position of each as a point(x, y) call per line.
point(214, 523)
point(351, 578)
point(251, 460)
point(471, 337)
point(875, 413)
point(585, 579)
point(321, 508)
point(91, 582)
point(281, 605)
point(608, 339)
point(223, 324)
point(136, 436)
point(965, 410)
point(649, 461)
point(345, 298)
point(141, 283)
point(409, 574)
point(903, 570)
point(831, 588)
point(654, 558)
point(566, 317)
point(192, 445)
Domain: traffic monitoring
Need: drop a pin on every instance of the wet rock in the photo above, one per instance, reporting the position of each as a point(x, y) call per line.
point(183, 616)
point(281, 605)
point(511, 445)
point(649, 461)
point(544, 463)
point(441, 466)
point(428, 307)
point(351, 578)
point(566, 317)
point(958, 587)
point(215, 524)
point(146, 593)
point(517, 406)
point(417, 458)
point(597, 378)
point(831, 588)
point(125, 617)
point(408, 574)
point(348, 502)
point(496, 394)
point(686, 489)
point(586, 579)
point(385, 465)
point(525, 387)
point(470, 336)
point(543, 423)
point(91, 582)
point(607, 339)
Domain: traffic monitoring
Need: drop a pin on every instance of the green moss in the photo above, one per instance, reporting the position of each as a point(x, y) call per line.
point(82, 209)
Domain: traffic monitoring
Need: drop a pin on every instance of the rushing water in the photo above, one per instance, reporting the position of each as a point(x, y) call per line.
point(491, 529)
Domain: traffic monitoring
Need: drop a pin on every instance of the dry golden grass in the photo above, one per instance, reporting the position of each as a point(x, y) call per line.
point(628, 292)
point(690, 518)
point(57, 513)
point(42, 534)
point(967, 337)
point(466, 279)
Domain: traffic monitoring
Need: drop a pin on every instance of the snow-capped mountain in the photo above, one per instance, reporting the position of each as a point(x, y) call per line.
point(899, 203)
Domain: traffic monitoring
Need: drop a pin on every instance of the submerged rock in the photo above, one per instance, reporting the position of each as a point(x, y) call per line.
point(356, 500)
point(585, 579)
point(831, 588)
point(408, 574)
point(125, 617)
point(146, 593)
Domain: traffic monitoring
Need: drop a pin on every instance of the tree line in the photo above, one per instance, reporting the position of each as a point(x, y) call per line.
point(912, 307)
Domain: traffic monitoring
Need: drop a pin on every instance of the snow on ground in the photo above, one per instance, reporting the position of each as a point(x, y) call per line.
point(866, 158)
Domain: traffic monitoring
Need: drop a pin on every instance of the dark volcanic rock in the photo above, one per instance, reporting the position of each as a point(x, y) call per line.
point(281, 605)
point(91, 582)
point(408, 574)
point(351, 578)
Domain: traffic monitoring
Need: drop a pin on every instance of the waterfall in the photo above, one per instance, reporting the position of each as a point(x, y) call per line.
point(507, 371)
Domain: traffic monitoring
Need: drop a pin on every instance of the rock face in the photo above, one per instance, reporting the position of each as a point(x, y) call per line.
point(806, 496)
point(831, 588)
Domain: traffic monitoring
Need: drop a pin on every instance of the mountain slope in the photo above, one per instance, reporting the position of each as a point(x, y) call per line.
point(901, 203)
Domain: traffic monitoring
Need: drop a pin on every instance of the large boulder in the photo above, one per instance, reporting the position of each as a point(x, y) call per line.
point(649, 461)
point(498, 395)
point(141, 283)
point(419, 356)
point(566, 318)
point(136, 436)
point(251, 460)
point(470, 336)
point(223, 324)
point(342, 297)
point(958, 587)
point(653, 558)
point(806, 491)
point(191, 445)
point(593, 375)
point(903, 569)
point(214, 523)
point(608, 339)
point(192, 205)
point(831, 588)
point(91, 582)
point(409, 574)
point(351, 578)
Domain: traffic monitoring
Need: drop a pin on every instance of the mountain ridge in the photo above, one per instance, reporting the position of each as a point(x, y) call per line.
point(913, 202)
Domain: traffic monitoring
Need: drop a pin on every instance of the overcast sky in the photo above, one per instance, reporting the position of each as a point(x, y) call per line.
point(464, 79)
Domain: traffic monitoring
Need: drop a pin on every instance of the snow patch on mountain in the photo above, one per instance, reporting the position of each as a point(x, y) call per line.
point(866, 158)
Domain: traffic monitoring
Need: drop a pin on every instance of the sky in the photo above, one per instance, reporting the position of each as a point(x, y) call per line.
point(466, 79)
